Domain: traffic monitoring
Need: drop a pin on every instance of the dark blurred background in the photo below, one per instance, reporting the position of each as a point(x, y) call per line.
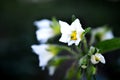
point(17, 33)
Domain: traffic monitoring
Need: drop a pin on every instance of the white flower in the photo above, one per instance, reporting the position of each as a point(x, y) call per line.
point(107, 35)
point(44, 55)
point(44, 23)
point(71, 34)
point(44, 31)
point(44, 34)
point(97, 58)
point(102, 33)
point(51, 70)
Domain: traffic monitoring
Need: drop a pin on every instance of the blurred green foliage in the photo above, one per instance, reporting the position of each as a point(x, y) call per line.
point(109, 45)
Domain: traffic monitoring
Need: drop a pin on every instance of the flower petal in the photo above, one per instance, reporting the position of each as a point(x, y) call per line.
point(77, 26)
point(44, 34)
point(44, 55)
point(44, 23)
point(77, 42)
point(101, 57)
point(37, 48)
point(65, 28)
point(64, 38)
point(51, 70)
point(108, 35)
point(93, 59)
point(71, 42)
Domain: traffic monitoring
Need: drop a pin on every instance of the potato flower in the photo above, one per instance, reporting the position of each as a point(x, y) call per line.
point(44, 54)
point(71, 34)
point(44, 31)
point(102, 33)
point(97, 58)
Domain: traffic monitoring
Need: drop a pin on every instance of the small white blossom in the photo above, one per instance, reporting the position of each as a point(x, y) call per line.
point(84, 66)
point(44, 31)
point(44, 34)
point(51, 70)
point(44, 55)
point(71, 34)
point(44, 23)
point(107, 35)
point(103, 33)
point(97, 58)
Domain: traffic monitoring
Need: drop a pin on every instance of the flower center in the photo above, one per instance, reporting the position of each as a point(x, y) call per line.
point(73, 35)
point(97, 58)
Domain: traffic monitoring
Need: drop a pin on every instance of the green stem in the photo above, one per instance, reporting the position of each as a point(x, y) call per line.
point(91, 40)
point(85, 45)
point(70, 50)
point(78, 48)
point(67, 57)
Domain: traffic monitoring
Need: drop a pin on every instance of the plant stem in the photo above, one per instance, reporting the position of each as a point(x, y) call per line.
point(78, 48)
point(85, 45)
point(70, 50)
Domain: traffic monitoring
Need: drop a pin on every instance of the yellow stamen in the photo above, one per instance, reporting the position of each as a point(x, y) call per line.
point(97, 58)
point(73, 35)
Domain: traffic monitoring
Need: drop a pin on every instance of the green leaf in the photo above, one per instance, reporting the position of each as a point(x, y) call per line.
point(56, 61)
point(87, 30)
point(90, 72)
point(70, 73)
point(109, 45)
point(55, 26)
point(73, 73)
